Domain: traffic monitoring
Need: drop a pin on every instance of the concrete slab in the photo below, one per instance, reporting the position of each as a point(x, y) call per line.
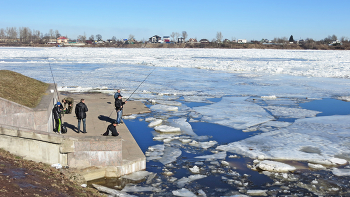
point(101, 113)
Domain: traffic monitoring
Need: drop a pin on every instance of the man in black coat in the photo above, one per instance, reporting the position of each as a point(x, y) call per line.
point(80, 112)
point(119, 108)
point(112, 128)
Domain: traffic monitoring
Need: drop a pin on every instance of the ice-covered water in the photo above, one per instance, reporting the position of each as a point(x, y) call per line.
point(265, 104)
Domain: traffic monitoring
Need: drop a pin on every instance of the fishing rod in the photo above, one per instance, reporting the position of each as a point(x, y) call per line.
point(140, 84)
point(53, 79)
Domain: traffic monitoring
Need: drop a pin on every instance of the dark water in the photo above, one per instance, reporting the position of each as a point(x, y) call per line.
point(223, 135)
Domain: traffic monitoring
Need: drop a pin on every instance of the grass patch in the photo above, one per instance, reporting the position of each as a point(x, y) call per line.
point(21, 89)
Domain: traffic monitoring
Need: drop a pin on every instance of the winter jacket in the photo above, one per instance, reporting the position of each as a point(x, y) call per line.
point(111, 128)
point(118, 104)
point(116, 95)
point(80, 110)
point(56, 111)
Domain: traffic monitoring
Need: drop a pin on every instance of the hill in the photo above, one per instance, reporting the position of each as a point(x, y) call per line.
point(21, 89)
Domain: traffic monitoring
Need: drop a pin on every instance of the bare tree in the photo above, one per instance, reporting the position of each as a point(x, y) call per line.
point(177, 35)
point(2, 33)
point(25, 34)
point(11, 32)
point(98, 37)
point(172, 35)
point(51, 33)
point(82, 38)
point(219, 36)
point(92, 38)
point(57, 33)
point(131, 37)
point(184, 35)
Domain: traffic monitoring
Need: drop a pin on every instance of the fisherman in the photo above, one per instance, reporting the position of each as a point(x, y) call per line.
point(56, 112)
point(119, 108)
point(80, 112)
point(112, 128)
point(68, 101)
point(117, 94)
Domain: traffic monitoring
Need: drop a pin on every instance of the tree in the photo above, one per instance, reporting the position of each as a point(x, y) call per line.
point(114, 39)
point(82, 38)
point(176, 36)
point(51, 33)
point(11, 32)
point(291, 39)
point(172, 35)
point(184, 35)
point(57, 34)
point(98, 37)
point(219, 37)
point(2, 33)
point(131, 38)
point(92, 38)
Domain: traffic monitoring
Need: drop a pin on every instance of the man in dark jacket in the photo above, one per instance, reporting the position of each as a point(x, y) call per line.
point(112, 128)
point(56, 112)
point(119, 108)
point(80, 112)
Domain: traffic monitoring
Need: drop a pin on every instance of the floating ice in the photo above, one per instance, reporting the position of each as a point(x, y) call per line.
point(195, 169)
point(316, 166)
point(286, 112)
point(155, 122)
point(135, 188)
point(136, 176)
point(327, 135)
point(274, 166)
point(167, 129)
point(257, 192)
point(163, 108)
point(172, 103)
point(234, 112)
point(133, 116)
point(183, 192)
point(184, 126)
point(341, 172)
point(184, 180)
point(269, 97)
point(204, 145)
point(220, 155)
point(170, 155)
point(111, 191)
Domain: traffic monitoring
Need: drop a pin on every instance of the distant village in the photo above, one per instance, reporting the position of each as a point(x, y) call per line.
point(26, 37)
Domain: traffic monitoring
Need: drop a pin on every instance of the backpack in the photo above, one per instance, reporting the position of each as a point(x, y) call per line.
point(63, 129)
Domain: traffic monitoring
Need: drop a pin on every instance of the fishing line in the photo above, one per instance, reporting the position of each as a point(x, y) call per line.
point(140, 84)
point(53, 79)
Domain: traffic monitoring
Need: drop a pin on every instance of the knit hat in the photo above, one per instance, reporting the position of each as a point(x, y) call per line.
point(58, 103)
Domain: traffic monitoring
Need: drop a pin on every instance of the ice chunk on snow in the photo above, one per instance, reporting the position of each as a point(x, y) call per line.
point(163, 108)
point(341, 172)
point(274, 166)
point(234, 112)
point(170, 155)
point(327, 134)
point(183, 192)
point(155, 122)
point(136, 176)
point(286, 112)
point(184, 180)
point(220, 155)
point(167, 129)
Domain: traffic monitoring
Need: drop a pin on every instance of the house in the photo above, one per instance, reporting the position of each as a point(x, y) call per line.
point(204, 41)
point(166, 39)
point(192, 40)
point(155, 39)
point(88, 41)
point(241, 41)
point(180, 40)
point(62, 39)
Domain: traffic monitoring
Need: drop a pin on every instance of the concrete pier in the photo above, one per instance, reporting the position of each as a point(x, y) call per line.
point(28, 132)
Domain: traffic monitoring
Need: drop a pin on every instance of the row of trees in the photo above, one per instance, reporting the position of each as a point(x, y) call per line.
point(25, 34)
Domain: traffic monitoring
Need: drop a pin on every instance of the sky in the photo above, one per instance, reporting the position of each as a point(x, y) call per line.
point(235, 19)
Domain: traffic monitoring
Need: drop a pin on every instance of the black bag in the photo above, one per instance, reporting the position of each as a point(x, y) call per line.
point(63, 129)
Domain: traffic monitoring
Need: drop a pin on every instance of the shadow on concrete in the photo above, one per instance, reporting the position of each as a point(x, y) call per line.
point(105, 118)
point(70, 126)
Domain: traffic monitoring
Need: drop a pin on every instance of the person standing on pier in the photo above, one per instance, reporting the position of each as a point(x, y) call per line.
point(80, 112)
point(119, 108)
point(116, 95)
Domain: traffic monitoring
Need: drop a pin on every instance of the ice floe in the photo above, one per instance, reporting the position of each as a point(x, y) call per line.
point(167, 129)
point(183, 192)
point(274, 166)
point(184, 180)
point(287, 112)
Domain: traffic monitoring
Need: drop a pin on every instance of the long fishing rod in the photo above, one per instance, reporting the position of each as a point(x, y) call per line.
point(140, 84)
point(53, 79)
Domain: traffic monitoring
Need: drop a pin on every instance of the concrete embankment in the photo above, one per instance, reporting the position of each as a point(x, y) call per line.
point(28, 132)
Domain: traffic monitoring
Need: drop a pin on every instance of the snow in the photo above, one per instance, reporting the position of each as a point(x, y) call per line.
point(234, 112)
point(327, 135)
point(285, 112)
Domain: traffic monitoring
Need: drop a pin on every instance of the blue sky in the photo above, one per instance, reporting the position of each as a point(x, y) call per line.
point(235, 19)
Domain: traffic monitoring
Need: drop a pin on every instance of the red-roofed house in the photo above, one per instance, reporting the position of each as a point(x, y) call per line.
point(62, 39)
